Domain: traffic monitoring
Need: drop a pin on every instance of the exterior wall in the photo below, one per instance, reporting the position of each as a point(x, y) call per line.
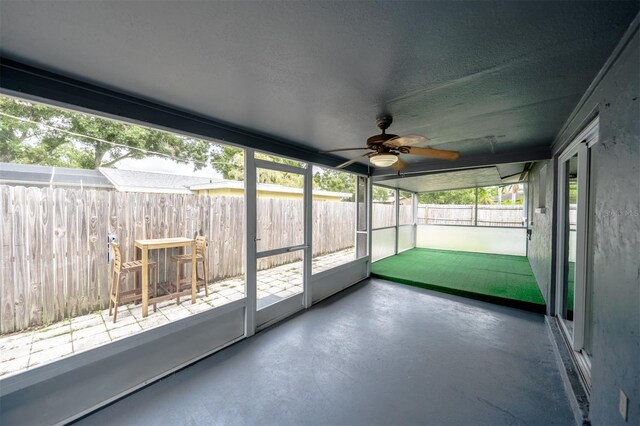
point(614, 232)
point(238, 192)
point(615, 238)
point(541, 227)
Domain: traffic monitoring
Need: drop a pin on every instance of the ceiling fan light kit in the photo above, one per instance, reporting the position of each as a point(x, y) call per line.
point(383, 160)
point(386, 147)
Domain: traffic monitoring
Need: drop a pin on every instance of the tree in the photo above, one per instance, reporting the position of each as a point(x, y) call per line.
point(486, 195)
point(334, 180)
point(40, 134)
point(456, 196)
point(229, 161)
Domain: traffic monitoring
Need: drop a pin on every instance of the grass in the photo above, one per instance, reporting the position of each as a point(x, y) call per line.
point(501, 279)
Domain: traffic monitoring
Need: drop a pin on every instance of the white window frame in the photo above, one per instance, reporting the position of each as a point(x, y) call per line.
point(580, 145)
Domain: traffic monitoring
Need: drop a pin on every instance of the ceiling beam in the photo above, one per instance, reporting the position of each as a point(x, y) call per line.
point(465, 162)
point(36, 84)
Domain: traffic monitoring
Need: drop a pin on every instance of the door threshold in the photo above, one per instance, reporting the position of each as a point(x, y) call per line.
point(570, 372)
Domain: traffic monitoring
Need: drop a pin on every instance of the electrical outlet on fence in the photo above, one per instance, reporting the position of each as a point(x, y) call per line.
point(624, 405)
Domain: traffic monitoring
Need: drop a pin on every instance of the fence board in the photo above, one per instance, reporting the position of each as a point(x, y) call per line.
point(458, 214)
point(84, 218)
point(59, 252)
point(21, 283)
point(71, 258)
point(7, 316)
point(48, 295)
point(34, 255)
point(54, 251)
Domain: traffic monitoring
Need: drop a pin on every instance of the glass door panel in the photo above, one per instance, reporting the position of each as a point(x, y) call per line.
point(573, 212)
point(570, 238)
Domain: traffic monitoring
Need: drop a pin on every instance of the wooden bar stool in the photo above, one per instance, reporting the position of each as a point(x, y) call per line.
point(120, 271)
point(184, 259)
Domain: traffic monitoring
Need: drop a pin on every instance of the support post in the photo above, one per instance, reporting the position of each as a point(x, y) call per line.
point(250, 242)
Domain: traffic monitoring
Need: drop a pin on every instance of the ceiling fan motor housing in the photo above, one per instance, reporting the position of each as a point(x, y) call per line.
point(384, 122)
point(375, 141)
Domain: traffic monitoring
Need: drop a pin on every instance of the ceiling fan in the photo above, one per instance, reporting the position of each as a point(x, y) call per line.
point(387, 147)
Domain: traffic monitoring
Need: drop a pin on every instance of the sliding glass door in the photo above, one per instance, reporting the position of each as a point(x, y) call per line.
point(572, 282)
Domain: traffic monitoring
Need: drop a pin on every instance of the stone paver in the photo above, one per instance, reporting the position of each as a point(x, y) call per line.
point(29, 348)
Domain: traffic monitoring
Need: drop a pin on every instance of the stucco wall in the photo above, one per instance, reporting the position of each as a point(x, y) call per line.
point(614, 233)
point(540, 224)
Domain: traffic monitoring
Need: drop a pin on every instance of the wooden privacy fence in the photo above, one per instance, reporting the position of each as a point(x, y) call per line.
point(54, 241)
point(464, 214)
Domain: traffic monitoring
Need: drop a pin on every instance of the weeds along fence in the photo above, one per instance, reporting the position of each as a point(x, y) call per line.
point(54, 241)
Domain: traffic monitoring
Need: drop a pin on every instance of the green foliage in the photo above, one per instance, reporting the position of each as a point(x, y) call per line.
point(573, 192)
point(51, 136)
point(457, 196)
point(381, 194)
point(334, 180)
point(229, 161)
point(85, 141)
point(487, 195)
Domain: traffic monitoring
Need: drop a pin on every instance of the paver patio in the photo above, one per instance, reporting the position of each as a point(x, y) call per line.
point(29, 348)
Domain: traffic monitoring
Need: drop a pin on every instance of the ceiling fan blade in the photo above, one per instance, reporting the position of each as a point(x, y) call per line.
point(407, 140)
point(434, 153)
point(353, 160)
point(399, 165)
point(344, 149)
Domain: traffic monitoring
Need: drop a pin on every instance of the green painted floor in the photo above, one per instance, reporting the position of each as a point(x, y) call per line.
point(502, 279)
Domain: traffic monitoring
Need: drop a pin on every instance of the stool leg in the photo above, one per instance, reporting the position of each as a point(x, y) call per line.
point(115, 302)
point(205, 277)
point(117, 296)
point(155, 286)
point(113, 277)
point(178, 282)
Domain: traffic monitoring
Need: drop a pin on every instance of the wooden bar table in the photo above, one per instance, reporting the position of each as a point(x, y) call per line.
point(142, 253)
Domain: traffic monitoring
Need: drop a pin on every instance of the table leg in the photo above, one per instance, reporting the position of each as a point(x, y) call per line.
point(145, 282)
point(136, 277)
point(194, 285)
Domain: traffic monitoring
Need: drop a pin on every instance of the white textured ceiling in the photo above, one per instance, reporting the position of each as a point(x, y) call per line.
point(479, 77)
point(468, 178)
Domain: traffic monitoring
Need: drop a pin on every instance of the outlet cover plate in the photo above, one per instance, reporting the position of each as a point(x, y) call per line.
point(624, 405)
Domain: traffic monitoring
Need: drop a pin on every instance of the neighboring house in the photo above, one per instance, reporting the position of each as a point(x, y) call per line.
point(236, 188)
point(41, 176)
point(164, 183)
point(136, 181)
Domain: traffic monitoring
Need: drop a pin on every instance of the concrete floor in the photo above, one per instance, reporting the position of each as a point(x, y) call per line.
point(377, 353)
